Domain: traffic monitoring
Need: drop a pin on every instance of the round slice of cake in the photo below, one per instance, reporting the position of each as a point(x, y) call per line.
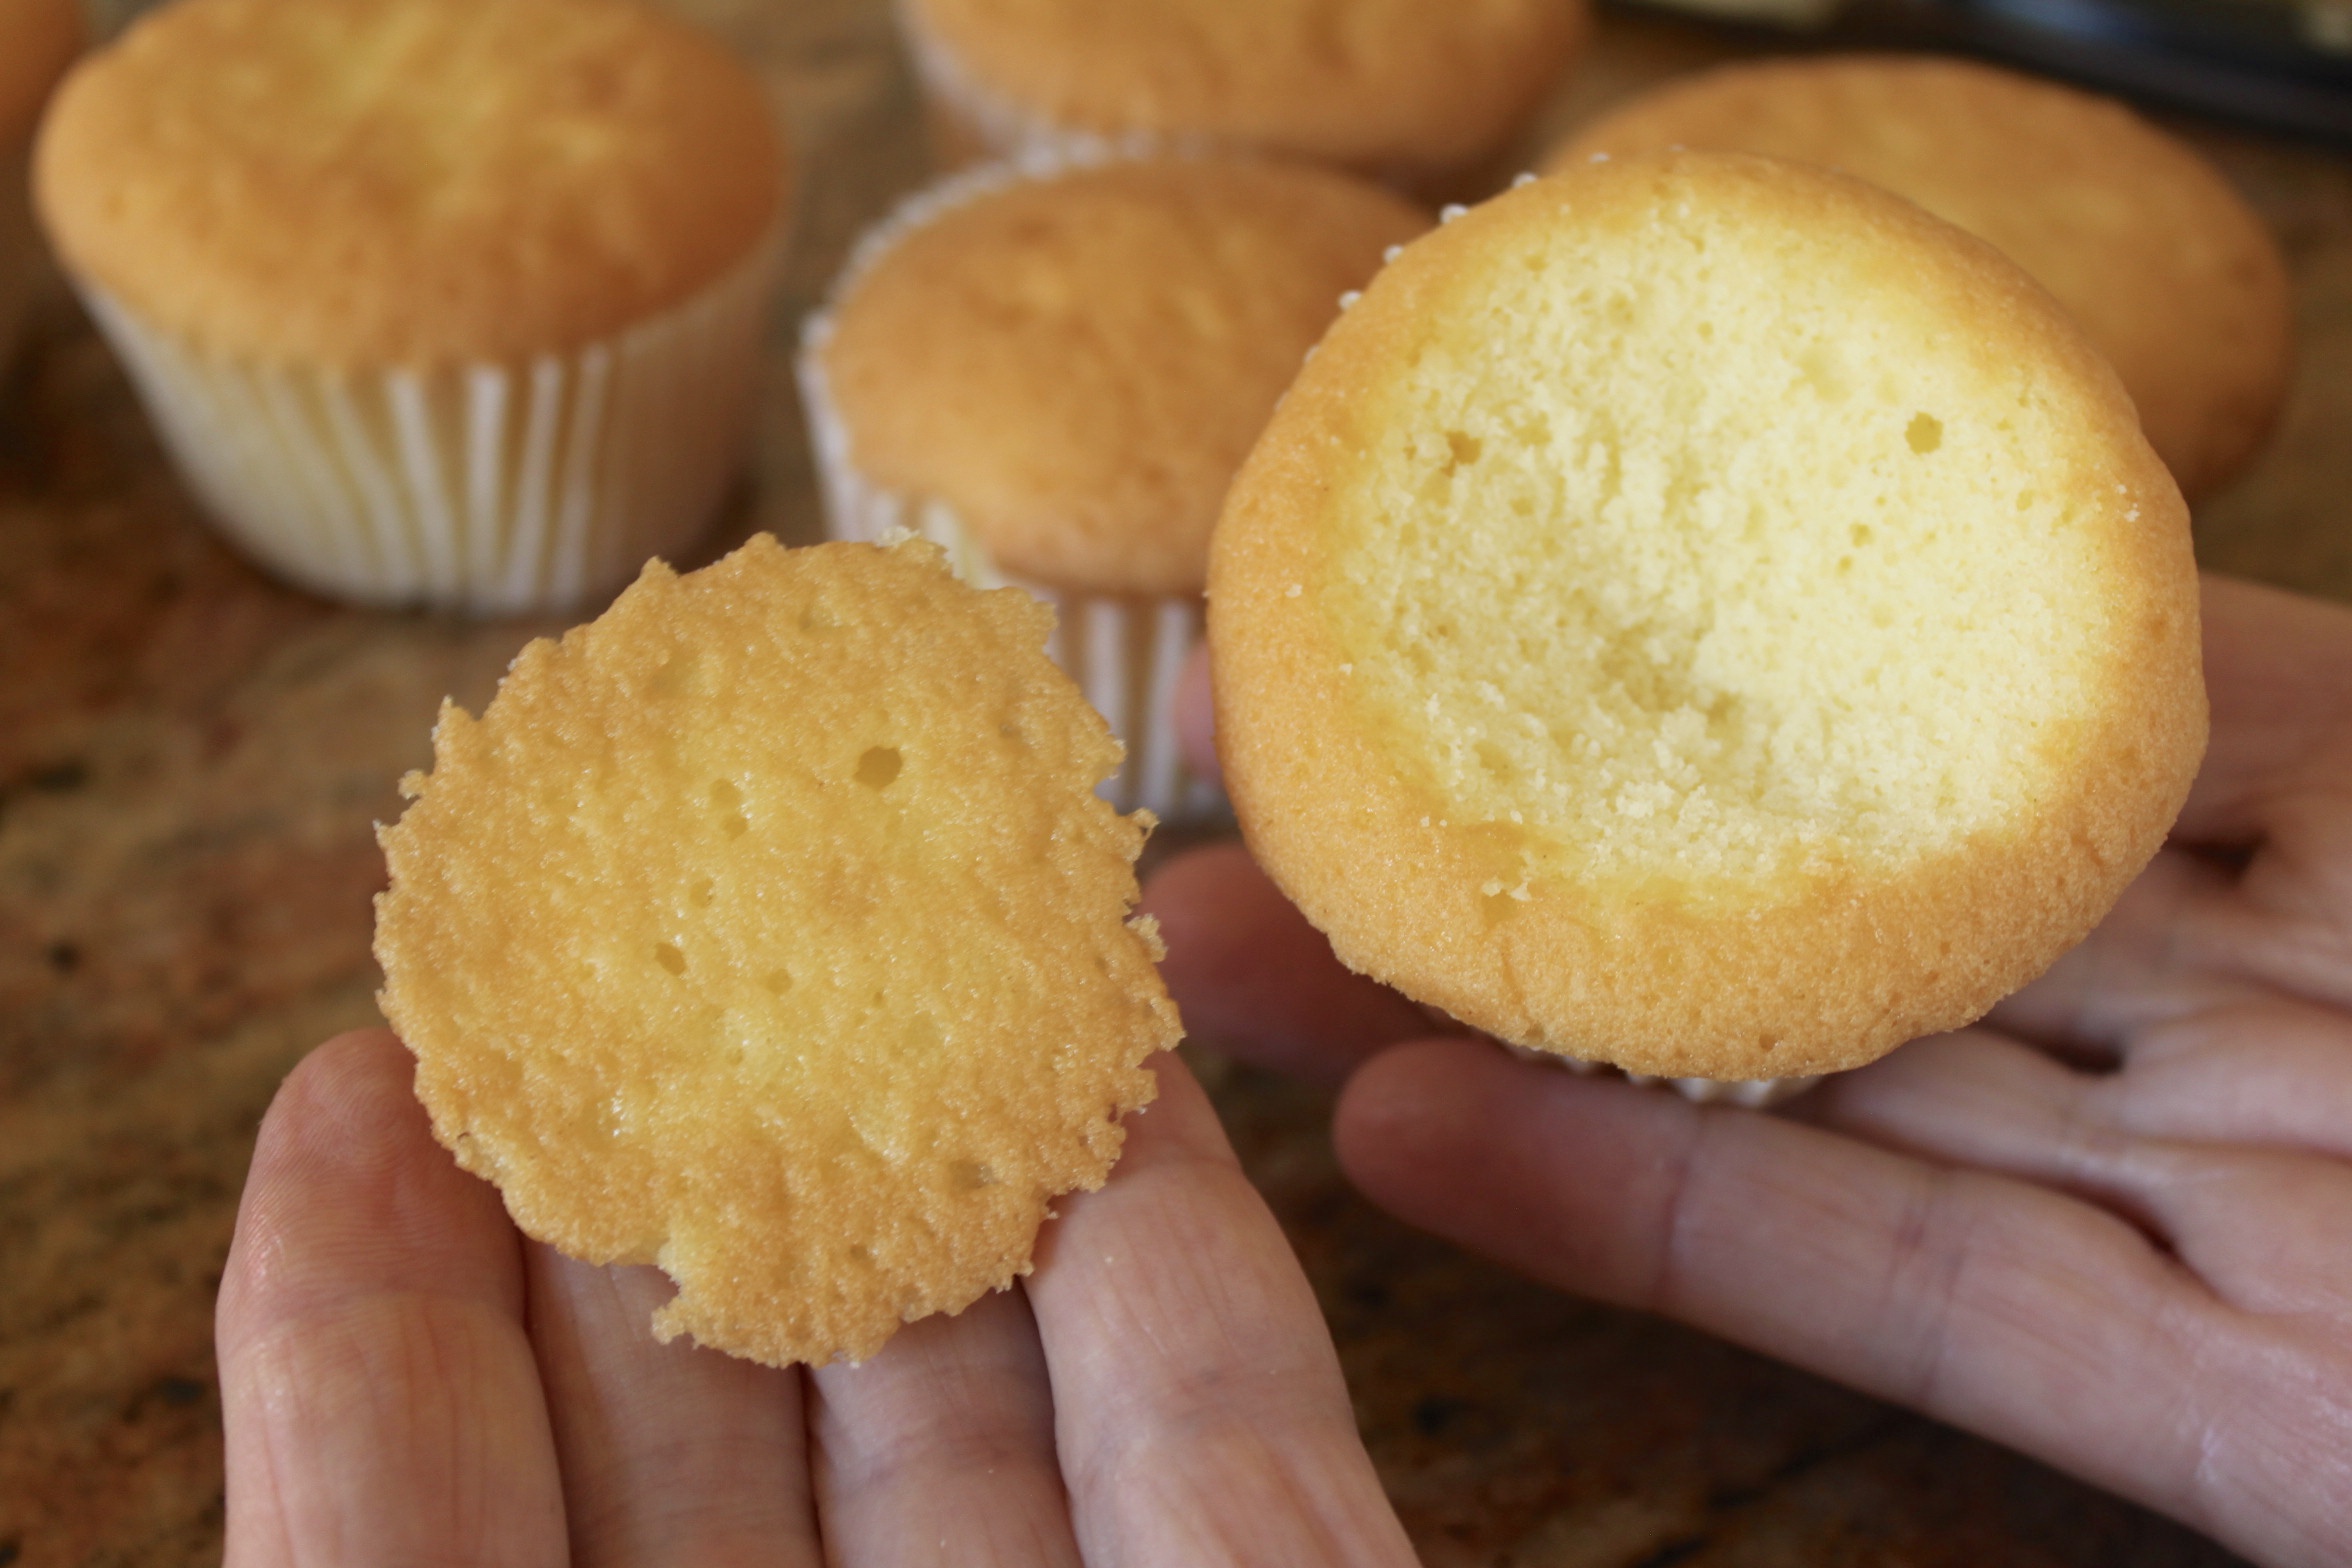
point(1704, 614)
point(768, 928)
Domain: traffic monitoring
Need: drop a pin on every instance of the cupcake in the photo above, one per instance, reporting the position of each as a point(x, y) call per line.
point(1702, 614)
point(435, 302)
point(38, 40)
point(2172, 275)
point(1401, 89)
point(1054, 371)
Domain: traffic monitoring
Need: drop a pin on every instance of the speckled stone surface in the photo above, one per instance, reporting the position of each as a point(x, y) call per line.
point(190, 760)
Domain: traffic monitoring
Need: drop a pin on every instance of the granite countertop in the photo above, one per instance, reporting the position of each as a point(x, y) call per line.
point(190, 761)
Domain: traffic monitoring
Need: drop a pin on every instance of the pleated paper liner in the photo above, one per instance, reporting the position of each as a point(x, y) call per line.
point(1753, 1093)
point(1126, 652)
point(486, 489)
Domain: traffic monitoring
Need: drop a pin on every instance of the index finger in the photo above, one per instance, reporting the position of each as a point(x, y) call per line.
point(2278, 672)
point(1199, 1408)
point(2001, 1306)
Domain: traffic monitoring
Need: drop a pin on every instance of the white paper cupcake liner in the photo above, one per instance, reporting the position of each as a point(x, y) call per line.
point(22, 259)
point(1127, 652)
point(487, 489)
point(1753, 1093)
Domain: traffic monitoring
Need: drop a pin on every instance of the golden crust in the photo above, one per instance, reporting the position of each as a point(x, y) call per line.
point(768, 928)
point(41, 39)
point(407, 182)
point(1077, 365)
point(2167, 269)
point(1838, 958)
point(1378, 85)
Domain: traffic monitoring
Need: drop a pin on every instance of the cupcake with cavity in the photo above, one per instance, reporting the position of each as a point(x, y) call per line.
point(38, 40)
point(1400, 89)
point(1054, 370)
point(434, 302)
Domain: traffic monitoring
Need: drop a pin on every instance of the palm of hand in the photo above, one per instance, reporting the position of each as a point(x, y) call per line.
point(2111, 1227)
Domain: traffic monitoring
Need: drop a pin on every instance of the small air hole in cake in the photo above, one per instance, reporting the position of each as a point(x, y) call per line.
point(1704, 614)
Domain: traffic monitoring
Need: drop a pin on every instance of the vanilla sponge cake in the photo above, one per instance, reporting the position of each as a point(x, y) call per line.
point(2163, 265)
point(1388, 87)
point(768, 928)
point(432, 302)
point(1704, 614)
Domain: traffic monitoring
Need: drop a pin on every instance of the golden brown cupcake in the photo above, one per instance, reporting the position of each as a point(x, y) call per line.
point(1054, 371)
point(1703, 614)
point(1396, 88)
point(819, 1015)
point(2169, 272)
point(38, 40)
point(434, 301)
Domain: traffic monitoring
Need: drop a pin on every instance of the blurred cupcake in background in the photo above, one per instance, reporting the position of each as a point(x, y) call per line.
point(2166, 267)
point(434, 302)
point(38, 40)
point(1055, 370)
point(1405, 90)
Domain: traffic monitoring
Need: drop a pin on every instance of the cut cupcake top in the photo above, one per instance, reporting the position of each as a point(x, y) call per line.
point(420, 182)
point(768, 928)
point(1707, 614)
point(41, 38)
point(1077, 364)
point(2172, 275)
point(1373, 84)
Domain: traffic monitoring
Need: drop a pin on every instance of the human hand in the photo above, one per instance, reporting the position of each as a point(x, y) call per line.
point(407, 1380)
point(2111, 1227)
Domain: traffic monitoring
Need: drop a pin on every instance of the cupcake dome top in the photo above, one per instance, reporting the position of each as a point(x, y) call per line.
point(38, 39)
point(407, 181)
point(1402, 84)
point(1702, 613)
point(1077, 364)
point(2167, 269)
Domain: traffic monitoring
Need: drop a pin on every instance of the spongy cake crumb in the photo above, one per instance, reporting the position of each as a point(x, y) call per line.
point(768, 928)
point(1773, 624)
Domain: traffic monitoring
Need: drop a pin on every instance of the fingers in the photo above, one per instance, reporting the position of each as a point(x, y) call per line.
point(1253, 979)
point(378, 1388)
point(2278, 670)
point(2261, 1227)
point(2266, 1071)
point(2144, 965)
point(2014, 1311)
point(671, 1454)
point(1201, 1415)
point(941, 1449)
point(2262, 1074)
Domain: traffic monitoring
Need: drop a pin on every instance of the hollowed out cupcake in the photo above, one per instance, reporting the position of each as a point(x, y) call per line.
point(1054, 370)
point(434, 302)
